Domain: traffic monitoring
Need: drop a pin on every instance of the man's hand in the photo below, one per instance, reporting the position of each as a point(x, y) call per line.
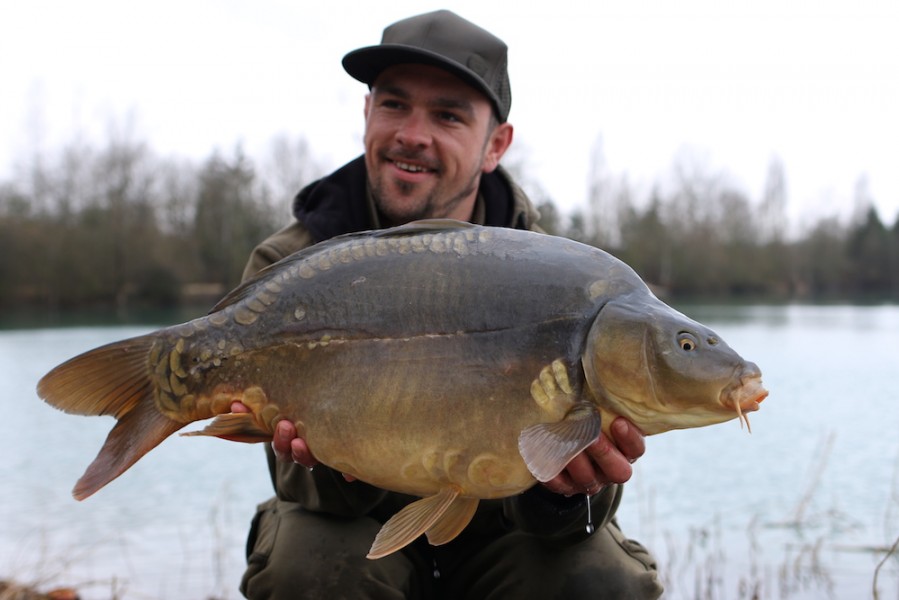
point(603, 462)
point(288, 447)
point(285, 443)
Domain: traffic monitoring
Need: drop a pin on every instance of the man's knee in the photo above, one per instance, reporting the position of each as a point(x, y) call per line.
point(606, 565)
point(292, 551)
point(611, 566)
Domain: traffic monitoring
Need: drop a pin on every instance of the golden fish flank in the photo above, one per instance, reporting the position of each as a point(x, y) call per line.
point(474, 384)
point(552, 390)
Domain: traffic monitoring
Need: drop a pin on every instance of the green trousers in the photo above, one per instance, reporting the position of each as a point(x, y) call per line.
point(293, 553)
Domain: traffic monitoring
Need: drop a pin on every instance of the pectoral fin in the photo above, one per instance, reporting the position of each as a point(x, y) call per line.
point(453, 521)
point(411, 522)
point(546, 448)
point(235, 427)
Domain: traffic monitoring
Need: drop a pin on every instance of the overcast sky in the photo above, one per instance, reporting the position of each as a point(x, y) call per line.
point(813, 83)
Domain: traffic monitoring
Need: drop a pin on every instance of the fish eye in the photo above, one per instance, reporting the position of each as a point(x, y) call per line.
point(686, 342)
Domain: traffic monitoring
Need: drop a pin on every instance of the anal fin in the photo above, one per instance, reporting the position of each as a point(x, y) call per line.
point(235, 427)
point(453, 521)
point(547, 447)
point(415, 519)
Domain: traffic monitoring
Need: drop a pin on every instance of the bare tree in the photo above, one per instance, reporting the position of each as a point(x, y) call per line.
point(603, 212)
point(773, 210)
point(287, 167)
point(123, 182)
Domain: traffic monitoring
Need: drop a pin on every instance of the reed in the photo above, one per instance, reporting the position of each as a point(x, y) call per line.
point(892, 554)
point(796, 557)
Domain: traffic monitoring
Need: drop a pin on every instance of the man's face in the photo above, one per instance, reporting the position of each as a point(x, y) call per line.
point(428, 138)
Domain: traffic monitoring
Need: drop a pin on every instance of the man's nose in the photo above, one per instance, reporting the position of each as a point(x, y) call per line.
point(414, 132)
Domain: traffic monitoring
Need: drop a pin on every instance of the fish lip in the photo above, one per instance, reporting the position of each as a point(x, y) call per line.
point(747, 393)
point(744, 395)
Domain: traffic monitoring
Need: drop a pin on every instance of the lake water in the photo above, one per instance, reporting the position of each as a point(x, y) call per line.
point(804, 507)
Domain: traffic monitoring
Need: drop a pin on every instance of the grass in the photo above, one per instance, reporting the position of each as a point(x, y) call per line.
point(52, 581)
point(50, 569)
point(892, 554)
point(802, 561)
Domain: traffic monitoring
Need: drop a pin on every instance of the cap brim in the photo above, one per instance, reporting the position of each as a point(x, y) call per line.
point(365, 64)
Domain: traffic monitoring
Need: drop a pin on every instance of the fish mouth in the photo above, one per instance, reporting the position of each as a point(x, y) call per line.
point(744, 396)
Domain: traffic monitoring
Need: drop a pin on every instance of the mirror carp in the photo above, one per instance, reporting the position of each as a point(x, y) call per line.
point(439, 359)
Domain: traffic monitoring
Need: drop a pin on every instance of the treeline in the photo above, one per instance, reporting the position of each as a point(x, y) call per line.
point(696, 234)
point(121, 227)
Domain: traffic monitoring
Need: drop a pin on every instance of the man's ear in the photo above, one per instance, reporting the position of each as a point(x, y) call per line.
point(499, 141)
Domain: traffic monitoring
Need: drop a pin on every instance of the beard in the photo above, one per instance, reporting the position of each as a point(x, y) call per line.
point(401, 202)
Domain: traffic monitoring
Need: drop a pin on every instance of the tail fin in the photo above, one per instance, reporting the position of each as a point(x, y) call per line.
point(111, 380)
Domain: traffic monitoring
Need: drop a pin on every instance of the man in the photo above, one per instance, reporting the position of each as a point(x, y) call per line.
point(435, 130)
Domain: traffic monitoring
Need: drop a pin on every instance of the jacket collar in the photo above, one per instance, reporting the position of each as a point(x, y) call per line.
point(341, 203)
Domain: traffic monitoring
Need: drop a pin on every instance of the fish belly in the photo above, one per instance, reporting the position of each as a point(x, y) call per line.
point(414, 414)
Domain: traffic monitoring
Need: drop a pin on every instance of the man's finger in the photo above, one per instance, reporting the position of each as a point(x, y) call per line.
point(300, 453)
point(612, 465)
point(582, 473)
point(560, 484)
point(285, 433)
point(630, 440)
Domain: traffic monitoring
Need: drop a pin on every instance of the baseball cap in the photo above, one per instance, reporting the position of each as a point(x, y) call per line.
point(446, 40)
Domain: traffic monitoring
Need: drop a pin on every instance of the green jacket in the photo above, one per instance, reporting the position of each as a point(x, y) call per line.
point(341, 203)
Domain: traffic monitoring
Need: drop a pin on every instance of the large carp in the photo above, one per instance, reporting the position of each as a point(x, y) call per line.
point(439, 359)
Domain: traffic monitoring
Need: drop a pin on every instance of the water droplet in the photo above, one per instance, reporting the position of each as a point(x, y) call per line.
point(590, 528)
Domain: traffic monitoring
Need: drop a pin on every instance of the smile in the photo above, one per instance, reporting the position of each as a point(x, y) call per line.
point(411, 168)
